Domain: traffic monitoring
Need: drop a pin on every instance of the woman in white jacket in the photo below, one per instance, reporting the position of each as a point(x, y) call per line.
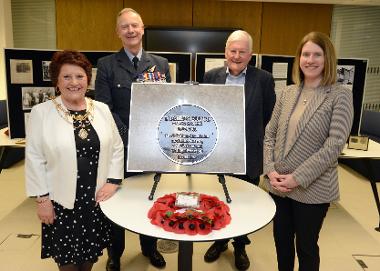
point(74, 160)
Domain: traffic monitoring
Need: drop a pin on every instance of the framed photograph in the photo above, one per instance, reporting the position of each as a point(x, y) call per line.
point(45, 71)
point(35, 95)
point(21, 71)
point(345, 74)
point(358, 142)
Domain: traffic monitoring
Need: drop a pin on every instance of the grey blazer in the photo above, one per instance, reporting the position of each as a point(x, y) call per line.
point(259, 101)
point(319, 138)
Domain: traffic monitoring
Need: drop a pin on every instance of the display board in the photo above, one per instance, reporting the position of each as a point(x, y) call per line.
point(350, 71)
point(179, 64)
point(186, 128)
point(28, 81)
point(207, 61)
point(280, 67)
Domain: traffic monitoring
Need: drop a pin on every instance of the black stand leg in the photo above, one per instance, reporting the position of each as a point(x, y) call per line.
point(222, 180)
point(376, 195)
point(156, 179)
point(185, 256)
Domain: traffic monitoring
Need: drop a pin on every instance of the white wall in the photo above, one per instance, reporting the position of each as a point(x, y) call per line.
point(6, 40)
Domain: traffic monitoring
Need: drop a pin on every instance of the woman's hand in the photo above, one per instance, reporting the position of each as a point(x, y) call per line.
point(106, 192)
point(45, 212)
point(289, 181)
point(282, 183)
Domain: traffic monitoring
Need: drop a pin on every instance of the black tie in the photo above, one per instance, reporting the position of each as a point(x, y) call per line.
point(135, 62)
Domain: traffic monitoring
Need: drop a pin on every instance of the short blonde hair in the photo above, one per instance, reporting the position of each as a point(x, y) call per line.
point(239, 35)
point(329, 71)
point(125, 10)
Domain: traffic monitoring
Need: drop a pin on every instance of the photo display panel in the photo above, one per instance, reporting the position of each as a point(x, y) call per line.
point(186, 128)
point(352, 72)
point(28, 83)
point(280, 67)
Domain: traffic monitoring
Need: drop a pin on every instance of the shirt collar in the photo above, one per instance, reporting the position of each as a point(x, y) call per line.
point(243, 72)
point(131, 56)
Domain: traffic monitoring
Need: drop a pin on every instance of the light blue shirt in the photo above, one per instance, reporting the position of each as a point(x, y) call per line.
point(131, 56)
point(236, 80)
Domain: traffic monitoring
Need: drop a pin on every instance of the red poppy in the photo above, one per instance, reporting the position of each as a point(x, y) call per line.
point(191, 227)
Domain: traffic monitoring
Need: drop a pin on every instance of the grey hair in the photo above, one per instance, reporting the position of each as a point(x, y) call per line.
point(125, 10)
point(239, 35)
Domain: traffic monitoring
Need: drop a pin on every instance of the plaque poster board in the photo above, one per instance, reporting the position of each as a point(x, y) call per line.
point(186, 128)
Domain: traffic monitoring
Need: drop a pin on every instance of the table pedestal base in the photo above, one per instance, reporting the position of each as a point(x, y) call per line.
point(185, 256)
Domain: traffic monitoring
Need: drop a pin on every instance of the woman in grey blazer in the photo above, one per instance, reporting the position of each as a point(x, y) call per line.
point(308, 129)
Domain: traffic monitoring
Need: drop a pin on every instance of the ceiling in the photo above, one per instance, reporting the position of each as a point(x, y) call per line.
point(340, 2)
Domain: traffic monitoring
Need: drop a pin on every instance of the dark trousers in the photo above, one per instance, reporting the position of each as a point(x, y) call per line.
point(302, 222)
point(242, 240)
point(116, 249)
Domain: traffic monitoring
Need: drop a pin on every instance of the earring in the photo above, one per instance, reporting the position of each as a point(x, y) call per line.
point(57, 91)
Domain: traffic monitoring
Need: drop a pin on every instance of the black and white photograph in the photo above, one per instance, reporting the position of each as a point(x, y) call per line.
point(21, 71)
point(35, 95)
point(45, 71)
point(345, 75)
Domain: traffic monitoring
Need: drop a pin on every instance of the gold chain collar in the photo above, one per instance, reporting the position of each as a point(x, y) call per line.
point(66, 115)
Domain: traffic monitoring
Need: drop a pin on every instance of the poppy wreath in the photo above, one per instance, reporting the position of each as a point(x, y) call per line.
point(212, 214)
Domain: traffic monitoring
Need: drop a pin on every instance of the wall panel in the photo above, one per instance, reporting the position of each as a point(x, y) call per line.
point(225, 14)
point(87, 24)
point(164, 12)
point(284, 25)
point(276, 28)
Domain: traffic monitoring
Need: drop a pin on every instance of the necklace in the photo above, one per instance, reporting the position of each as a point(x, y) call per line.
point(306, 95)
point(82, 120)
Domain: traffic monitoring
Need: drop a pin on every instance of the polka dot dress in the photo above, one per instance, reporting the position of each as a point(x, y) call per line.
point(79, 235)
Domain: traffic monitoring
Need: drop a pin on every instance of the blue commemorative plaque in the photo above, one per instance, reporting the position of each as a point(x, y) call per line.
point(187, 134)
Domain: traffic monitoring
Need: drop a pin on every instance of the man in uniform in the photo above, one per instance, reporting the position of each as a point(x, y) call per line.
point(114, 78)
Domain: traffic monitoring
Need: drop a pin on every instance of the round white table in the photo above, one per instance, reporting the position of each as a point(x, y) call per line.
point(251, 208)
